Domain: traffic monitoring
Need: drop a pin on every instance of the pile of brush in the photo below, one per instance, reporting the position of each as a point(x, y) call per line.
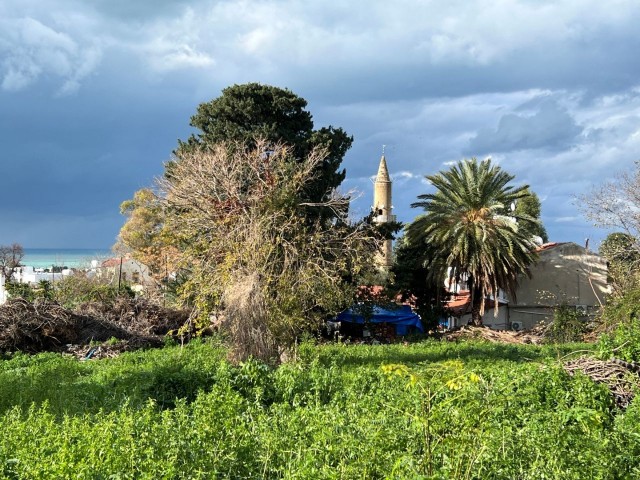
point(501, 336)
point(620, 377)
point(46, 326)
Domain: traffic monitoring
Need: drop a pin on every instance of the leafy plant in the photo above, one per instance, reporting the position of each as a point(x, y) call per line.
point(567, 325)
point(444, 389)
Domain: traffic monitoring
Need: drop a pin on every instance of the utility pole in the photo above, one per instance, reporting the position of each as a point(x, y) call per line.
point(120, 275)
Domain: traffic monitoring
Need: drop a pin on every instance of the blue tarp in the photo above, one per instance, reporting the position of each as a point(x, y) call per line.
point(402, 317)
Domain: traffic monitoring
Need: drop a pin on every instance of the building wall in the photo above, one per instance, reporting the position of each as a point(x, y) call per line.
point(28, 274)
point(496, 320)
point(564, 274)
point(133, 272)
point(529, 317)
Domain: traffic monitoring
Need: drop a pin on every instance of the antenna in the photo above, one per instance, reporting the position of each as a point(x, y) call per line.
point(383, 147)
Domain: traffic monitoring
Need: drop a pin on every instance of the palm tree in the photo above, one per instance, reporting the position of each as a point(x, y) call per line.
point(474, 234)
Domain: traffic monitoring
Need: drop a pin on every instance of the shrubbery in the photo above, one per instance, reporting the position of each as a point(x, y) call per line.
point(567, 326)
point(490, 410)
point(71, 291)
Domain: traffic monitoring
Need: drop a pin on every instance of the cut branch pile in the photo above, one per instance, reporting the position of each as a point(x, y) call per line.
point(616, 375)
point(136, 315)
point(500, 336)
point(34, 327)
point(46, 326)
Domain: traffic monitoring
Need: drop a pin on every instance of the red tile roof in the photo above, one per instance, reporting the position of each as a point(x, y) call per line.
point(460, 303)
point(547, 246)
point(111, 262)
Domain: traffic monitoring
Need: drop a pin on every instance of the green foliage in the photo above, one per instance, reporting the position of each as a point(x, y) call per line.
point(45, 290)
point(567, 325)
point(411, 279)
point(620, 318)
point(250, 200)
point(434, 410)
point(249, 111)
point(74, 290)
point(236, 217)
point(145, 236)
point(622, 342)
point(529, 207)
point(443, 389)
point(621, 251)
point(20, 290)
point(70, 292)
point(470, 235)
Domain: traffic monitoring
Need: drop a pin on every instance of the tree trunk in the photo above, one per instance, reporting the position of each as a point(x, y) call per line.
point(476, 304)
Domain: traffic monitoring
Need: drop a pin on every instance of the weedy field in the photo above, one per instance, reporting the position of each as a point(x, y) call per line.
point(425, 410)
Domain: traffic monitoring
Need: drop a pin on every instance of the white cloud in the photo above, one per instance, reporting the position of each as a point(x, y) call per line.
point(33, 50)
point(177, 57)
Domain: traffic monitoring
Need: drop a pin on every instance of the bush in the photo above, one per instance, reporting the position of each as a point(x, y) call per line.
point(20, 290)
point(623, 342)
point(622, 309)
point(77, 289)
point(567, 325)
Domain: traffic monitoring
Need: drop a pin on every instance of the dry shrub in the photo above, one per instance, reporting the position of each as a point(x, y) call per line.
point(247, 320)
point(619, 376)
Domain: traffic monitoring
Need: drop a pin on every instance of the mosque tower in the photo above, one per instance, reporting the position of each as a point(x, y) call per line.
point(382, 209)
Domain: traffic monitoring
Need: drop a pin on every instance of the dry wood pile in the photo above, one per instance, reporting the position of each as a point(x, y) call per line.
point(38, 326)
point(46, 326)
point(617, 375)
point(501, 336)
point(136, 315)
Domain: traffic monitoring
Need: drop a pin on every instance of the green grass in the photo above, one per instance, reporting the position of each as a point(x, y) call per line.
point(423, 410)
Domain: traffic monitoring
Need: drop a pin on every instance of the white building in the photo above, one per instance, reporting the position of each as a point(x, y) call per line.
point(3, 292)
point(32, 276)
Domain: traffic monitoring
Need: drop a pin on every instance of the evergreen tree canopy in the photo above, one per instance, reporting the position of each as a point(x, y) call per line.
point(244, 113)
point(529, 206)
point(411, 280)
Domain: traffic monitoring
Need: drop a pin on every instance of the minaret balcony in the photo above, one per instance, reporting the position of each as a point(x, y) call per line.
point(384, 218)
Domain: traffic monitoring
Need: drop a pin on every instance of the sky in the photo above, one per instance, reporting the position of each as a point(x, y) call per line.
point(94, 95)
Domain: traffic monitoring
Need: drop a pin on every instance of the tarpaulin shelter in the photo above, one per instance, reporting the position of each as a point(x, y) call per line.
point(402, 318)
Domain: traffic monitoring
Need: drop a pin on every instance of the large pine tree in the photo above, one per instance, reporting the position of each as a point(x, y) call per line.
point(248, 112)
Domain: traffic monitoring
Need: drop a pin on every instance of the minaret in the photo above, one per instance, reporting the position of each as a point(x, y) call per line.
point(382, 209)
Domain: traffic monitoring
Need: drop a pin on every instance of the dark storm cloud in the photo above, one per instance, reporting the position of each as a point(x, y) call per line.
point(550, 128)
point(94, 95)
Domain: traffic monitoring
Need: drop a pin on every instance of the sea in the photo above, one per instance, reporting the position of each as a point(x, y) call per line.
point(64, 257)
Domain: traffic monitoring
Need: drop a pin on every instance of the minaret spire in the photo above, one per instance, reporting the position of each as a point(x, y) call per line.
point(383, 171)
point(382, 207)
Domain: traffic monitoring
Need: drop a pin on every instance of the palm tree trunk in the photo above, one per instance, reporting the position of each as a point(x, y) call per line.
point(476, 306)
